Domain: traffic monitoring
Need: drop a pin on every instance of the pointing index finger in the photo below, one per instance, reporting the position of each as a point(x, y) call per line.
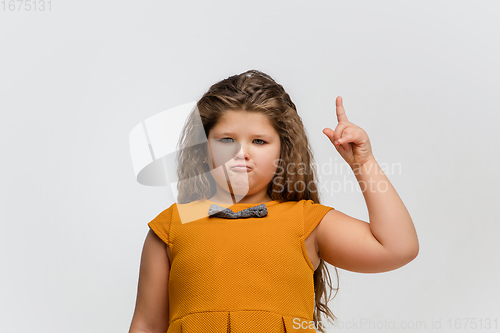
point(340, 110)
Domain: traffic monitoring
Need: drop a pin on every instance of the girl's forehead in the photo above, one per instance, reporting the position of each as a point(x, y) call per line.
point(242, 120)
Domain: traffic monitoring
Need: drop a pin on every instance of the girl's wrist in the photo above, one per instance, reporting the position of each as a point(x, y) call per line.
point(359, 167)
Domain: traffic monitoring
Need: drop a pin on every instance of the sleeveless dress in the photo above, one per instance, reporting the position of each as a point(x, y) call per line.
point(240, 275)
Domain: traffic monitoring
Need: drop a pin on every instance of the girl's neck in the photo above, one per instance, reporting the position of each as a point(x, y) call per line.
point(231, 200)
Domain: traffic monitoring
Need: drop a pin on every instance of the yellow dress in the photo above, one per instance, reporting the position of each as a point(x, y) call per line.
point(249, 275)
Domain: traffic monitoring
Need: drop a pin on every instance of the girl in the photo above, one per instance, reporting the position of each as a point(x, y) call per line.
point(245, 247)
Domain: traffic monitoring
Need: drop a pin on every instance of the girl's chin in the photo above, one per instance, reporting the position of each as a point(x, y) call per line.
point(236, 178)
point(237, 189)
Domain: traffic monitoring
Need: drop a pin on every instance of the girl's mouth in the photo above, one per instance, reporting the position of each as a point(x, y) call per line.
point(240, 169)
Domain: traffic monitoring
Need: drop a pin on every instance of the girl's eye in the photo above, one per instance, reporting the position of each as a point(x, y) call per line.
point(225, 139)
point(260, 144)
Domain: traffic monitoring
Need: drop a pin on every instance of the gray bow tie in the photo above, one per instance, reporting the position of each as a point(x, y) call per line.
point(218, 211)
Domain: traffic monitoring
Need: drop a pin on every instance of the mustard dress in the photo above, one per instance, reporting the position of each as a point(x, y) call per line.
point(248, 275)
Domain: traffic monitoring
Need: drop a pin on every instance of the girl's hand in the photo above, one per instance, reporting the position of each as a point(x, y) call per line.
point(350, 140)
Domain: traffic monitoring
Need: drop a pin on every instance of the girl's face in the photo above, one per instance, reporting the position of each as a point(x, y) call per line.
point(243, 138)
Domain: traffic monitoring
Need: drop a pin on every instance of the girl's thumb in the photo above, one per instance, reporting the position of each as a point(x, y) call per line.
point(329, 133)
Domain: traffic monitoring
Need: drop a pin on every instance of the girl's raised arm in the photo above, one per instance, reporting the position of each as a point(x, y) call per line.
point(151, 309)
point(389, 241)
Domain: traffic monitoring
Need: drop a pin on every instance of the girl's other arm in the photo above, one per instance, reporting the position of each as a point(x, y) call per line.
point(151, 313)
point(389, 241)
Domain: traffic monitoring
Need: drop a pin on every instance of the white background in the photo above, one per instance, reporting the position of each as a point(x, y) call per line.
point(421, 77)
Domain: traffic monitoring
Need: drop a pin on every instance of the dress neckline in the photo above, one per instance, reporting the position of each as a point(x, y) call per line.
point(239, 204)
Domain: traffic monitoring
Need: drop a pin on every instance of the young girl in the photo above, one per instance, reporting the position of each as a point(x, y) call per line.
point(244, 248)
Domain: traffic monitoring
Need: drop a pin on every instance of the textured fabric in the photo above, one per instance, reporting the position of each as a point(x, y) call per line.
point(218, 211)
point(240, 275)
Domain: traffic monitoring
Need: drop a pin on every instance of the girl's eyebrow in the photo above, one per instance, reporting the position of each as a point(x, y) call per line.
point(231, 133)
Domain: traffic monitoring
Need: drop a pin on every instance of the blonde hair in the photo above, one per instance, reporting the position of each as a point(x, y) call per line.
point(253, 91)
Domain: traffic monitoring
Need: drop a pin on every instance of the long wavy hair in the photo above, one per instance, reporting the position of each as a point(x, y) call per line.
point(253, 91)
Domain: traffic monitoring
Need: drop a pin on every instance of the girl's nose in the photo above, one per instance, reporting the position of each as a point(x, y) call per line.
point(242, 153)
